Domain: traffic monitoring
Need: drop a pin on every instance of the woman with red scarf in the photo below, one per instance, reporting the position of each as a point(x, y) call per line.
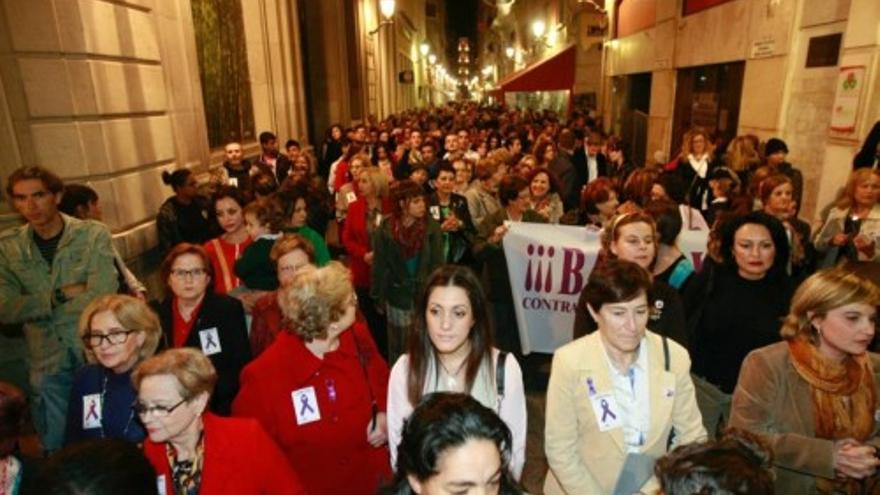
point(813, 396)
point(408, 246)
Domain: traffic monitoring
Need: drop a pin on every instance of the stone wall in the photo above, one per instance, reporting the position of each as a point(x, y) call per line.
point(108, 93)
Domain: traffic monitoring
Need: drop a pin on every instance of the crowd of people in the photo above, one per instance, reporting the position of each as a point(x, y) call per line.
point(341, 320)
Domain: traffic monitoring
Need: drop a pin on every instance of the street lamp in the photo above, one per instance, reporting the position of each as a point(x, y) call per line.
point(510, 52)
point(432, 59)
point(424, 48)
point(386, 7)
point(538, 28)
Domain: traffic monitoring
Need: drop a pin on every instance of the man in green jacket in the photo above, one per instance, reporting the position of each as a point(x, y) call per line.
point(50, 269)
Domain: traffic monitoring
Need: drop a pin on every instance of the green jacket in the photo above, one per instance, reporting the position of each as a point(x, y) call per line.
point(492, 253)
point(27, 283)
point(391, 282)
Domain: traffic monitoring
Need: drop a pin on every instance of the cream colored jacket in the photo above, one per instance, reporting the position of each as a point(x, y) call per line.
point(586, 461)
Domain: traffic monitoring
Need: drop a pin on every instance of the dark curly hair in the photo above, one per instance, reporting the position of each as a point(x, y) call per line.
point(441, 422)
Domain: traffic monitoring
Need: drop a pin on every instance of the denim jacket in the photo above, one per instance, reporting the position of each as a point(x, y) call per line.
point(27, 283)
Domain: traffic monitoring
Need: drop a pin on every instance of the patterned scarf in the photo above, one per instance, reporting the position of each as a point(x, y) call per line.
point(412, 238)
point(187, 475)
point(843, 400)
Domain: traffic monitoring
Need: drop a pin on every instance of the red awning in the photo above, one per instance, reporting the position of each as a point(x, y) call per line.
point(553, 73)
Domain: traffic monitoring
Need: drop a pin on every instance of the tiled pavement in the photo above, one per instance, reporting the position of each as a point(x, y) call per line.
point(536, 369)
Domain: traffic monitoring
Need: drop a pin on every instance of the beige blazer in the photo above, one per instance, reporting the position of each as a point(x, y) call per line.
point(584, 460)
point(771, 399)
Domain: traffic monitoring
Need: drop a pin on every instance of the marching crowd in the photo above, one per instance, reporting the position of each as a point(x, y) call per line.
point(341, 320)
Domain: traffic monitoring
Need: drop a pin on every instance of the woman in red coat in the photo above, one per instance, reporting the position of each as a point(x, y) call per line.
point(364, 217)
point(320, 389)
point(194, 452)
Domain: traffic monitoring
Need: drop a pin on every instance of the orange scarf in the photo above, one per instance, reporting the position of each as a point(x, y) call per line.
point(843, 399)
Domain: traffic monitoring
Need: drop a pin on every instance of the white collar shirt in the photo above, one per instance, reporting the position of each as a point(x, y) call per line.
point(631, 393)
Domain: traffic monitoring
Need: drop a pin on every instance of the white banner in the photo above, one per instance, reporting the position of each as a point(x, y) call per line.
point(548, 267)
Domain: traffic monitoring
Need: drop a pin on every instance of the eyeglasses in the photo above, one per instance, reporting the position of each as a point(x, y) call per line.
point(158, 411)
point(195, 273)
point(113, 337)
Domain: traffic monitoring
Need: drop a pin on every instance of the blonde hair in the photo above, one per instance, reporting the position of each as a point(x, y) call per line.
point(316, 298)
point(847, 199)
point(132, 313)
point(741, 155)
point(822, 292)
point(378, 179)
point(192, 369)
point(611, 232)
point(688, 139)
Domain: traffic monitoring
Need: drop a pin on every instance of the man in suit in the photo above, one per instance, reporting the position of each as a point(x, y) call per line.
point(563, 168)
point(589, 162)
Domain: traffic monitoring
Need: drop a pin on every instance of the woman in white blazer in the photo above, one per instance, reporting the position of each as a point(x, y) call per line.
point(617, 391)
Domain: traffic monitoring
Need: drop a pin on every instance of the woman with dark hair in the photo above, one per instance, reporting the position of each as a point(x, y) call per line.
point(545, 153)
point(294, 203)
point(620, 167)
point(408, 246)
point(738, 463)
point(633, 237)
point(450, 210)
point(671, 265)
point(320, 389)
point(620, 390)
point(544, 190)
point(668, 186)
point(192, 315)
point(450, 350)
point(331, 149)
point(451, 440)
point(813, 396)
point(228, 203)
point(513, 191)
point(182, 217)
point(735, 307)
point(638, 189)
point(599, 202)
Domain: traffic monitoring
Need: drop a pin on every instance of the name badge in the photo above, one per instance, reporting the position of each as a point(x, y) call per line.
point(160, 484)
point(305, 405)
point(606, 412)
point(435, 212)
point(91, 411)
point(351, 197)
point(210, 341)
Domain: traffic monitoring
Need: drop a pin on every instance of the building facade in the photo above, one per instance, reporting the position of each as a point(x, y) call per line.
point(113, 93)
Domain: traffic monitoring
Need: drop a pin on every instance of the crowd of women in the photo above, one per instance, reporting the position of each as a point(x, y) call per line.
point(349, 327)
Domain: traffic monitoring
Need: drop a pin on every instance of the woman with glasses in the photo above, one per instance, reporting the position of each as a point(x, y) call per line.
point(192, 315)
point(192, 450)
point(320, 388)
point(117, 332)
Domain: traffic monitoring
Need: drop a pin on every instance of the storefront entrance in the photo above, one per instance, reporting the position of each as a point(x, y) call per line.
point(708, 97)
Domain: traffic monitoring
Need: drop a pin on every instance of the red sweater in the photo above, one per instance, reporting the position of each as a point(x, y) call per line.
point(240, 459)
point(331, 454)
point(357, 241)
point(223, 262)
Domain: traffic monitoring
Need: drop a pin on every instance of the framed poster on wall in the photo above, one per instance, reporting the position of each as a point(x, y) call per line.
point(847, 98)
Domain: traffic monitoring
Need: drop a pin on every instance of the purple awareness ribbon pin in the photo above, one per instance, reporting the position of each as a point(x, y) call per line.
point(304, 402)
point(606, 411)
